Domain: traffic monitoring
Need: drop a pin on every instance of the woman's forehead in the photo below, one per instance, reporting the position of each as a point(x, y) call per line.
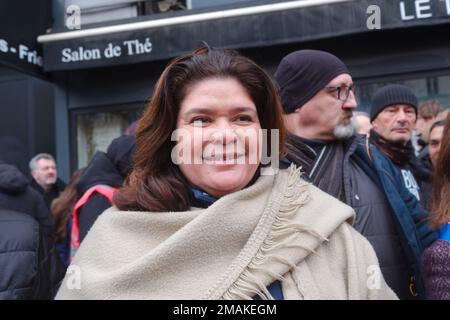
point(217, 94)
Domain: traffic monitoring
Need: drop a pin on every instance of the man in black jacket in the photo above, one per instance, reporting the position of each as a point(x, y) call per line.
point(45, 177)
point(16, 194)
point(31, 269)
point(317, 94)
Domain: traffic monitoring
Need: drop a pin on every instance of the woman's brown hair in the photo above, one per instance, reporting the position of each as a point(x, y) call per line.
point(62, 207)
point(440, 213)
point(156, 183)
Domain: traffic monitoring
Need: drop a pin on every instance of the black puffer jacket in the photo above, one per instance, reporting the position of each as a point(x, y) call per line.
point(29, 267)
point(17, 195)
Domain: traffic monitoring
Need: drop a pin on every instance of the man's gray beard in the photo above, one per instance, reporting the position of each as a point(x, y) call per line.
point(344, 131)
point(51, 182)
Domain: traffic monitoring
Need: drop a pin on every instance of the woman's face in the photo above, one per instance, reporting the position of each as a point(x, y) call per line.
point(434, 144)
point(218, 136)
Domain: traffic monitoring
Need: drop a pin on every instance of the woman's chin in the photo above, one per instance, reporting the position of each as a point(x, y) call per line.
point(222, 182)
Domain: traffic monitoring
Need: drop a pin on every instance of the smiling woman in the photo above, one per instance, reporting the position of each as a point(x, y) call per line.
point(229, 108)
point(216, 227)
point(211, 96)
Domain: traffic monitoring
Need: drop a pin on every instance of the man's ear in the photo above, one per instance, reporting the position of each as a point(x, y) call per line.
point(33, 174)
point(374, 124)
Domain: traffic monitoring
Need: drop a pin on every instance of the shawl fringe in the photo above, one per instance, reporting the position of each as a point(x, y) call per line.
point(283, 231)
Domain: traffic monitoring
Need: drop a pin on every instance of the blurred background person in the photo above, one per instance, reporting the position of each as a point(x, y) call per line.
point(428, 156)
point(45, 177)
point(426, 116)
point(436, 258)
point(62, 208)
point(105, 173)
point(424, 155)
point(435, 140)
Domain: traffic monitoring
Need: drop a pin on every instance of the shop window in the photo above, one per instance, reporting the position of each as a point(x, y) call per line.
point(443, 84)
point(156, 6)
point(95, 131)
point(106, 10)
point(195, 4)
point(109, 10)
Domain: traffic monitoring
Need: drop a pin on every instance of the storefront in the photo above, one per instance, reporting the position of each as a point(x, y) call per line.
point(104, 73)
point(26, 93)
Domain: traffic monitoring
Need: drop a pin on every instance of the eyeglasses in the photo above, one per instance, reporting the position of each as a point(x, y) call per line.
point(342, 92)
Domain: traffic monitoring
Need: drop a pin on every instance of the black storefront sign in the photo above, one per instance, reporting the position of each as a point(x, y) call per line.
point(20, 24)
point(424, 9)
point(295, 25)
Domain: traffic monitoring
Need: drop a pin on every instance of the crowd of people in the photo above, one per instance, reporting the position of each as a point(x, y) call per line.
point(358, 207)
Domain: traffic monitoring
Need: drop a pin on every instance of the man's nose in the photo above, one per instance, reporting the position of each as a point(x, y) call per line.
point(401, 116)
point(350, 103)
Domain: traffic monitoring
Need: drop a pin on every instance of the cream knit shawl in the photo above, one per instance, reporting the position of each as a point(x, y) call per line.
point(278, 228)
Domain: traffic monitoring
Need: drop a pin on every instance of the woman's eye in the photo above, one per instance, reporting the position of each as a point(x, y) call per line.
point(434, 143)
point(200, 121)
point(244, 119)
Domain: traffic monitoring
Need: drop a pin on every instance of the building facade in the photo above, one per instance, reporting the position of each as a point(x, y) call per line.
point(104, 57)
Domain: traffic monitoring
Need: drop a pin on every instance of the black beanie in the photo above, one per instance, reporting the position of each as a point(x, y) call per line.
point(390, 95)
point(303, 73)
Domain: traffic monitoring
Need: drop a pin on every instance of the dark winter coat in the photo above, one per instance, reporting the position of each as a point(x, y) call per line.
point(99, 171)
point(386, 213)
point(409, 216)
point(52, 194)
point(17, 195)
point(111, 169)
point(29, 267)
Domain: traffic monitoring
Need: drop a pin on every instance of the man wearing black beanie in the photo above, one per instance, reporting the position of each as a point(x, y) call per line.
point(393, 115)
point(317, 95)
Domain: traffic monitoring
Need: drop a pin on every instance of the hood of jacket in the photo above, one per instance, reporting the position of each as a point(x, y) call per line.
point(11, 179)
point(99, 171)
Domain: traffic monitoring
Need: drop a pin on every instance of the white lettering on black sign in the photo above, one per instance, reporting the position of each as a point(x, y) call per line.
point(22, 52)
point(128, 48)
point(421, 9)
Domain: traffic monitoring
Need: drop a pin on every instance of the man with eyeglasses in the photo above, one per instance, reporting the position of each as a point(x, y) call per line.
point(318, 100)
